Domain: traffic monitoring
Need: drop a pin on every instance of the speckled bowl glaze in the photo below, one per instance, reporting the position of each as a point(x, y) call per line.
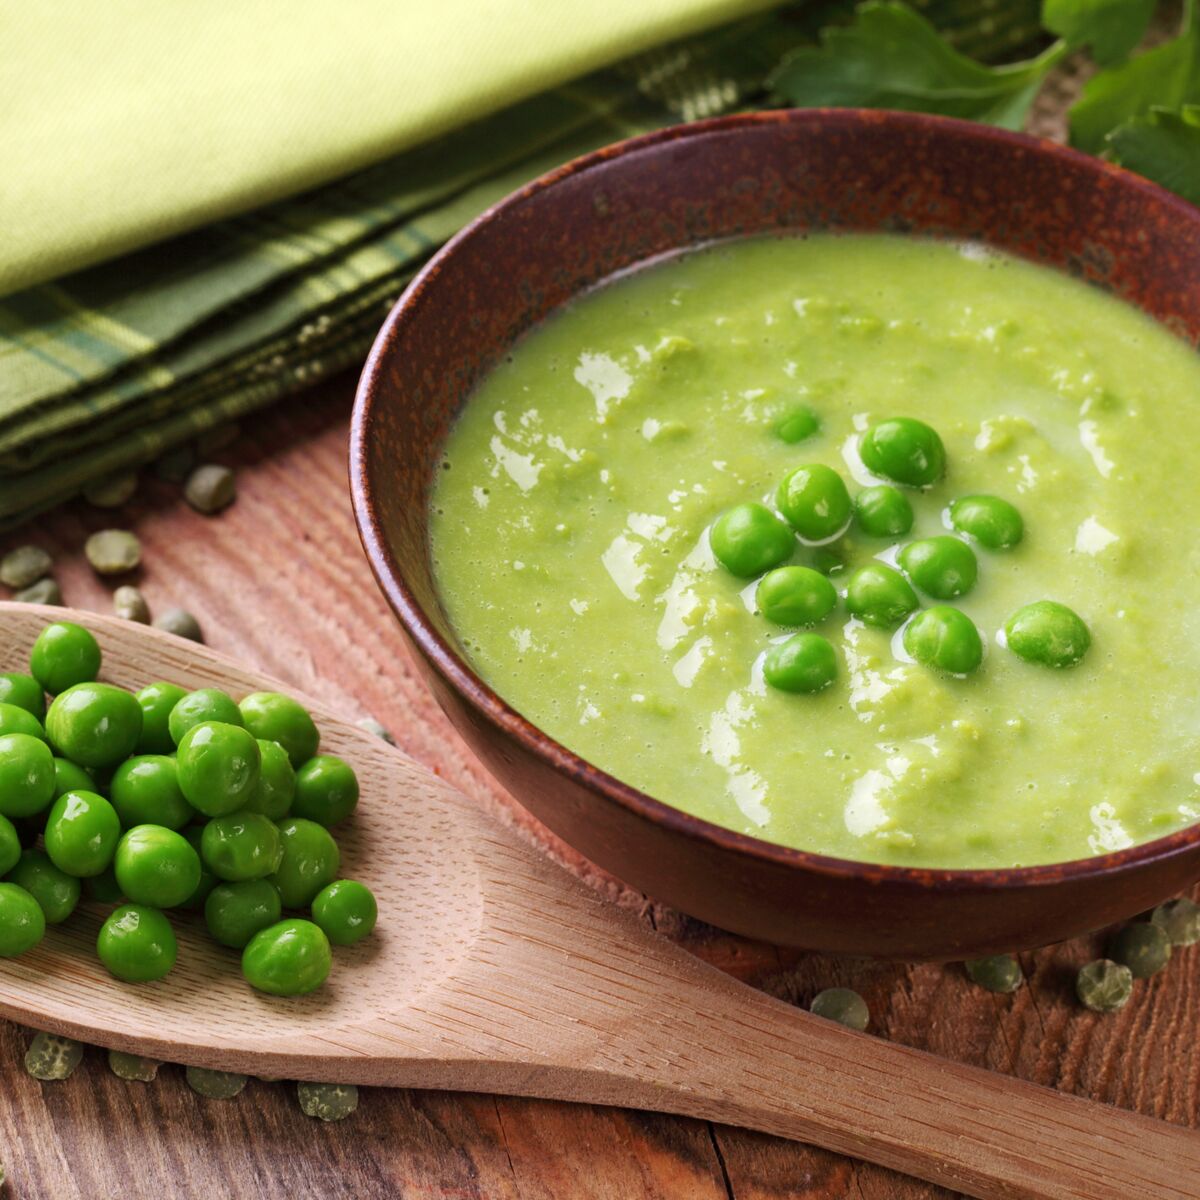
point(816, 169)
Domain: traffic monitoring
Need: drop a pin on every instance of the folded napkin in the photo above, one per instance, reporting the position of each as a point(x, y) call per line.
point(107, 368)
point(127, 121)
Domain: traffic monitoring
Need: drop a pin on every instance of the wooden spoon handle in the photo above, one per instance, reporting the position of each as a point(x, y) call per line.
point(788, 1073)
point(751, 1061)
point(569, 998)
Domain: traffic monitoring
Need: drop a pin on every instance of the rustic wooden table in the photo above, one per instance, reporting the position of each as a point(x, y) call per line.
point(279, 582)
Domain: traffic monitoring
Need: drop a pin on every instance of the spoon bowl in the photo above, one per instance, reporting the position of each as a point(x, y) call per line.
point(492, 969)
point(405, 849)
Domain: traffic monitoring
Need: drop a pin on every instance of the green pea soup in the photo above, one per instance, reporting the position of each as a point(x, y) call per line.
point(570, 538)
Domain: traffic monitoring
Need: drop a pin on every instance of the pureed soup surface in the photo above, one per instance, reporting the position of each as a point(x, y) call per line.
point(571, 547)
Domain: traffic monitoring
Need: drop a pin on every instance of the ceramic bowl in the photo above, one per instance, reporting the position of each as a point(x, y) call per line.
point(768, 172)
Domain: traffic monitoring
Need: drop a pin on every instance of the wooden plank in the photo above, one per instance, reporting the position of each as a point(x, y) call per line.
point(279, 582)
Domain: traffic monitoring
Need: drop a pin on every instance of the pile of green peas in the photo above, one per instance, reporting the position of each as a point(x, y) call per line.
point(170, 799)
point(812, 503)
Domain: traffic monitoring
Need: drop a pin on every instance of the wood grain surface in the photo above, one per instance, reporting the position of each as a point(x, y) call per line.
point(279, 582)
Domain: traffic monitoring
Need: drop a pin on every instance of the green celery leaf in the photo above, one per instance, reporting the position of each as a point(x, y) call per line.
point(1112, 28)
point(1163, 145)
point(892, 58)
point(1167, 76)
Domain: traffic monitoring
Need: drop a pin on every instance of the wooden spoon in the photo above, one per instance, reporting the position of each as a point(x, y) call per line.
point(494, 970)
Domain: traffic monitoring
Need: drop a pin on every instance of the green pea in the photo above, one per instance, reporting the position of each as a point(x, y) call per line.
point(70, 777)
point(137, 944)
point(1047, 633)
point(113, 551)
point(156, 866)
point(289, 958)
point(130, 605)
point(327, 1101)
point(22, 922)
point(1142, 947)
point(103, 888)
point(64, 655)
point(1104, 986)
point(797, 425)
point(45, 591)
point(1000, 973)
point(879, 595)
point(842, 1005)
point(906, 450)
point(23, 566)
point(1179, 920)
point(346, 911)
point(793, 596)
point(218, 767)
point(944, 638)
point(82, 832)
point(208, 881)
point(241, 845)
point(883, 511)
point(200, 707)
point(804, 663)
point(132, 1067)
point(94, 724)
point(276, 782)
point(51, 1058)
point(235, 912)
point(10, 845)
point(181, 623)
point(992, 522)
point(327, 788)
point(749, 539)
point(942, 567)
point(26, 775)
point(145, 791)
point(210, 488)
point(24, 691)
point(815, 502)
point(273, 717)
point(214, 1085)
point(157, 701)
point(56, 892)
point(20, 720)
point(310, 861)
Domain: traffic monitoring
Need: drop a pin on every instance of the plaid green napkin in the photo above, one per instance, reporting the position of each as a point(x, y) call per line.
point(108, 368)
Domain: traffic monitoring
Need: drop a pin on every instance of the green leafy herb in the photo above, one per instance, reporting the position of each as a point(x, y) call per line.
point(892, 58)
point(1163, 145)
point(1167, 76)
point(1143, 111)
point(1111, 28)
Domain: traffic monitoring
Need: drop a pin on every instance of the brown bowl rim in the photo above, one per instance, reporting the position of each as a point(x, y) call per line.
point(491, 706)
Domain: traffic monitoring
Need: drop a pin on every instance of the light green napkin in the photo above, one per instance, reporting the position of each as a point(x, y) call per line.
point(126, 121)
point(105, 369)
